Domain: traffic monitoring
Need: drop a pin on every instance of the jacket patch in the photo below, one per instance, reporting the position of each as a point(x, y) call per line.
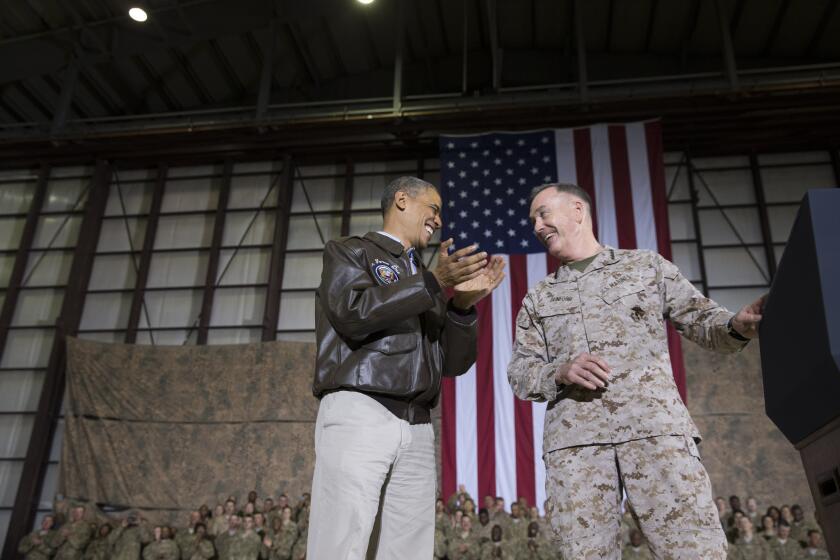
point(384, 272)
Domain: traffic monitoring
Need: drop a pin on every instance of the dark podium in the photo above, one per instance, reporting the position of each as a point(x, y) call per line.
point(800, 351)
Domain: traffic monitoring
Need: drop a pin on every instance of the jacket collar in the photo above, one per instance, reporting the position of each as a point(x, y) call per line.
point(606, 257)
point(383, 241)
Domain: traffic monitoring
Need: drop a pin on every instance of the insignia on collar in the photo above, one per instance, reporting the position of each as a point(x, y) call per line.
point(384, 272)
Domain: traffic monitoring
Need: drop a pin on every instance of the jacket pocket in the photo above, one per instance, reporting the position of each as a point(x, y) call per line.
point(612, 295)
point(559, 320)
point(389, 365)
point(393, 344)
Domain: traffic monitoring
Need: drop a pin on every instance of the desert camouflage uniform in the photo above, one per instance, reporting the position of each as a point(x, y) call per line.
point(630, 552)
point(615, 309)
point(197, 549)
point(790, 550)
point(128, 541)
point(440, 544)
point(535, 549)
point(99, 549)
point(816, 553)
point(165, 549)
point(470, 544)
point(284, 541)
point(39, 545)
point(755, 549)
point(74, 538)
point(502, 550)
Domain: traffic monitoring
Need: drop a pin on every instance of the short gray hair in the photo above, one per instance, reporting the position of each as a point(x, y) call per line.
point(407, 184)
point(569, 188)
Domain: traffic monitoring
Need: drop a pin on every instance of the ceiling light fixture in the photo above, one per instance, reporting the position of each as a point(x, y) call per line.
point(365, 2)
point(138, 14)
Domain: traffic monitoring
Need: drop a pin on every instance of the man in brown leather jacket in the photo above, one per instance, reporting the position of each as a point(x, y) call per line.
point(386, 336)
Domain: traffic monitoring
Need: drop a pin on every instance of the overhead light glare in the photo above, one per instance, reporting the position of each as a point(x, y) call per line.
point(138, 14)
point(365, 2)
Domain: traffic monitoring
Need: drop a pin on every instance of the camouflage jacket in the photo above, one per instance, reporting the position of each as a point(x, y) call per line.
point(613, 309)
point(76, 536)
point(165, 549)
point(39, 545)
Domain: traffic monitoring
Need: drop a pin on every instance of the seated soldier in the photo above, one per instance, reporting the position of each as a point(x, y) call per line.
point(815, 546)
point(464, 543)
point(783, 546)
point(162, 547)
point(40, 544)
point(748, 546)
point(100, 547)
point(498, 548)
point(535, 546)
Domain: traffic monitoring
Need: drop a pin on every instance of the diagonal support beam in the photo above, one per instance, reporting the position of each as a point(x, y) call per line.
point(728, 51)
point(68, 90)
point(266, 72)
point(271, 314)
point(495, 51)
point(52, 391)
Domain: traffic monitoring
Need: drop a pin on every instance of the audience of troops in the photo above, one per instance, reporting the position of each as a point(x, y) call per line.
point(256, 530)
point(463, 532)
point(265, 530)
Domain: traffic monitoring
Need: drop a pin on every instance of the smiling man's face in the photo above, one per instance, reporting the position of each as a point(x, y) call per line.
point(420, 217)
point(556, 217)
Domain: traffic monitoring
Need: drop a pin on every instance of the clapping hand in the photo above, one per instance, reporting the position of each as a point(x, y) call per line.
point(468, 293)
point(460, 266)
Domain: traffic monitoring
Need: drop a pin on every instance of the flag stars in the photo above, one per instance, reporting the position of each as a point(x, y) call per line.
point(497, 161)
point(509, 191)
point(462, 155)
point(498, 201)
point(499, 222)
point(509, 171)
point(497, 142)
point(486, 172)
point(520, 142)
point(450, 184)
point(508, 152)
point(497, 181)
point(522, 181)
point(524, 242)
point(463, 194)
point(450, 145)
point(546, 159)
point(474, 224)
point(486, 192)
point(462, 174)
point(500, 243)
point(522, 201)
point(474, 164)
point(511, 212)
point(523, 222)
point(474, 204)
point(511, 232)
point(474, 183)
point(520, 161)
point(488, 233)
point(473, 144)
point(544, 139)
point(462, 235)
point(450, 164)
point(463, 213)
point(487, 212)
point(533, 151)
point(547, 178)
point(534, 171)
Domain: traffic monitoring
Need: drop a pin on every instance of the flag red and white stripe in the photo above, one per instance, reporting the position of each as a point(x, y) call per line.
point(491, 442)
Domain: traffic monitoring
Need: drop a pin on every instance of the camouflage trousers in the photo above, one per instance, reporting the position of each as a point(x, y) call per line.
point(667, 488)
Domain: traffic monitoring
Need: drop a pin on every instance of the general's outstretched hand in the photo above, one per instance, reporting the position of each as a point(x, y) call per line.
point(746, 321)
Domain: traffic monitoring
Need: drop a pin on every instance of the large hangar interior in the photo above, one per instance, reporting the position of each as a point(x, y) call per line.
point(173, 182)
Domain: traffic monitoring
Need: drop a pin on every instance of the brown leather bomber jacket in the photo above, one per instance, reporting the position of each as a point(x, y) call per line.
point(384, 332)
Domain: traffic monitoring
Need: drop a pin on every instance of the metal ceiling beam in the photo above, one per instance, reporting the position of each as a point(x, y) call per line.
point(266, 72)
point(819, 32)
point(447, 48)
point(211, 281)
point(777, 25)
point(302, 51)
point(192, 77)
point(237, 88)
point(580, 51)
point(15, 112)
point(465, 49)
point(728, 51)
point(68, 90)
point(154, 82)
point(271, 312)
point(399, 47)
point(651, 20)
point(736, 17)
point(495, 50)
point(427, 50)
point(335, 52)
point(34, 100)
point(98, 93)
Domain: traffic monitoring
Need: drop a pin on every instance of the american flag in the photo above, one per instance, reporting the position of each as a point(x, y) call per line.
point(491, 442)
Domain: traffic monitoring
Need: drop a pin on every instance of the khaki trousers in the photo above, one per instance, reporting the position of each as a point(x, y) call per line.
point(369, 462)
point(667, 488)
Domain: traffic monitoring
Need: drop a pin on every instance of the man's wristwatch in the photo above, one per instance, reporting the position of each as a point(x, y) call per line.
point(733, 333)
